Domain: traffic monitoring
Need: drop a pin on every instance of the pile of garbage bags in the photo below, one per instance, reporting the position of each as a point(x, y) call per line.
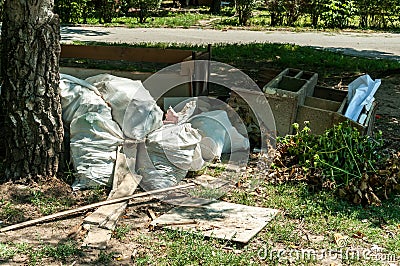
point(104, 111)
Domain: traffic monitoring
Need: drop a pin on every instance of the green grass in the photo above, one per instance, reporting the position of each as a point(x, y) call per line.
point(181, 248)
point(48, 204)
point(167, 20)
point(304, 215)
point(261, 20)
point(36, 253)
point(252, 58)
point(121, 231)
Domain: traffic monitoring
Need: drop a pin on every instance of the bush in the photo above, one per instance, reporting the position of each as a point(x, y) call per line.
point(338, 13)
point(276, 9)
point(341, 159)
point(71, 11)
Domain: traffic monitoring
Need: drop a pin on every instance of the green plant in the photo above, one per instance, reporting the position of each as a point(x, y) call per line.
point(10, 213)
point(342, 153)
point(62, 251)
point(341, 159)
point(105, 258)
point(337, 13)
point(47, 204)
point(121, 231)
point(71, 11)
point(6, 252)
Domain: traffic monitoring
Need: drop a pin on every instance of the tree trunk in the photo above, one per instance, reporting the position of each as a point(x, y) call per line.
point(33, 129)
point(215, 7)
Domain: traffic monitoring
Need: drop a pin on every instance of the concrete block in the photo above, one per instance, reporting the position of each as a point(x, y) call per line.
point(326, 108)
point(285, 93)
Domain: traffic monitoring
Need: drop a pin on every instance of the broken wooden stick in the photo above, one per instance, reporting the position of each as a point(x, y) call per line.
point(91, 206)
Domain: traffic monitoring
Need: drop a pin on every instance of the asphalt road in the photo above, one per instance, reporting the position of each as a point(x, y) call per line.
point(375, 45)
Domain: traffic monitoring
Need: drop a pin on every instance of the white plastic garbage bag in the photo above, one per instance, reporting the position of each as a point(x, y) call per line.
point(94, 136)
point(119, 92)
point(142, 118)
point(133, 108)
point(79, 97)
point(170, 152)
point(94, 141)
point(361, 93)
point(219, 136)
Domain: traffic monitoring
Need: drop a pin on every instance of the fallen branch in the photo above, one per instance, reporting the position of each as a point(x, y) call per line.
point(90, 206)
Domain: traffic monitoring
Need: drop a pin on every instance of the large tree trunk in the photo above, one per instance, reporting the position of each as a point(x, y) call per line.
point(215, 7)
point(33, 129)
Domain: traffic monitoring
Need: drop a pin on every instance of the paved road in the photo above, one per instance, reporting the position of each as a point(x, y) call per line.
point(377, 45)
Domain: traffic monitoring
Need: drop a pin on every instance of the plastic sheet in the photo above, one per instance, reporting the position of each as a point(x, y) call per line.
point(219, 136)
point(361, 94)
point(170, 151)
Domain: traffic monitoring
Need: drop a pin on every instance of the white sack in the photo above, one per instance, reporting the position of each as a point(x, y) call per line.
point(133, 108)
point(219, 136)
point(170, 152)
point(142, 118)
point(94, 136)
point(94, 141)
point(79, 97)
point(119, 92)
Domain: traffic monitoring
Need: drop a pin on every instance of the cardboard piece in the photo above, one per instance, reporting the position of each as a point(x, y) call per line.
point(218, 219)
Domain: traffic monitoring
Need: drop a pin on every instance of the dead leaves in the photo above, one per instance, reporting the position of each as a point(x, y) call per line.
point(340, 240)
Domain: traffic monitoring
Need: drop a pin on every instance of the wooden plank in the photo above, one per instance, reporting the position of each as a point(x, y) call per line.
point(124, 184)
point(111, 222)
point(218, 219)
point(97, 238)
point(132, 54)
point(92, 206)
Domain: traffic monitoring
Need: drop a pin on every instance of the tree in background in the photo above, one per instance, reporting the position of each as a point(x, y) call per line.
point(293, 10)
point(33, 129)
point(315, 8)
point(72, 11)
point(337, 13)
point(244, 9)
point(276, 10)
point(215, 7)
point(145, 8)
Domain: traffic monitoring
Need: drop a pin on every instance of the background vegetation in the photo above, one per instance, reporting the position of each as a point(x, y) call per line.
point(360, 14)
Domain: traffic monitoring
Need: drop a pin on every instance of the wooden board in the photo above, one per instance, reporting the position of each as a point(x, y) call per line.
point(155, 55)
point(218, 219)
point(124, 184)
point(105, 218)
point(97, 238)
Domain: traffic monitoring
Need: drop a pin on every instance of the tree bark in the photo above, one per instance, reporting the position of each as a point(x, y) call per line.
point(33, 129)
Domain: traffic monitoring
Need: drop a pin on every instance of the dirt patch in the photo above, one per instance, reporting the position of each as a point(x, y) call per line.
point(388, 112)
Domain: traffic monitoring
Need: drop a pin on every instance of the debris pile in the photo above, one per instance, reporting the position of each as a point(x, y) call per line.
point(104, 112)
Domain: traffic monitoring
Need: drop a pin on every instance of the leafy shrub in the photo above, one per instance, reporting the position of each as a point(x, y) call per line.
point(71, 11)
point(337, 13)
point(315, 9)
point(276, 9)
point(340, 159)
